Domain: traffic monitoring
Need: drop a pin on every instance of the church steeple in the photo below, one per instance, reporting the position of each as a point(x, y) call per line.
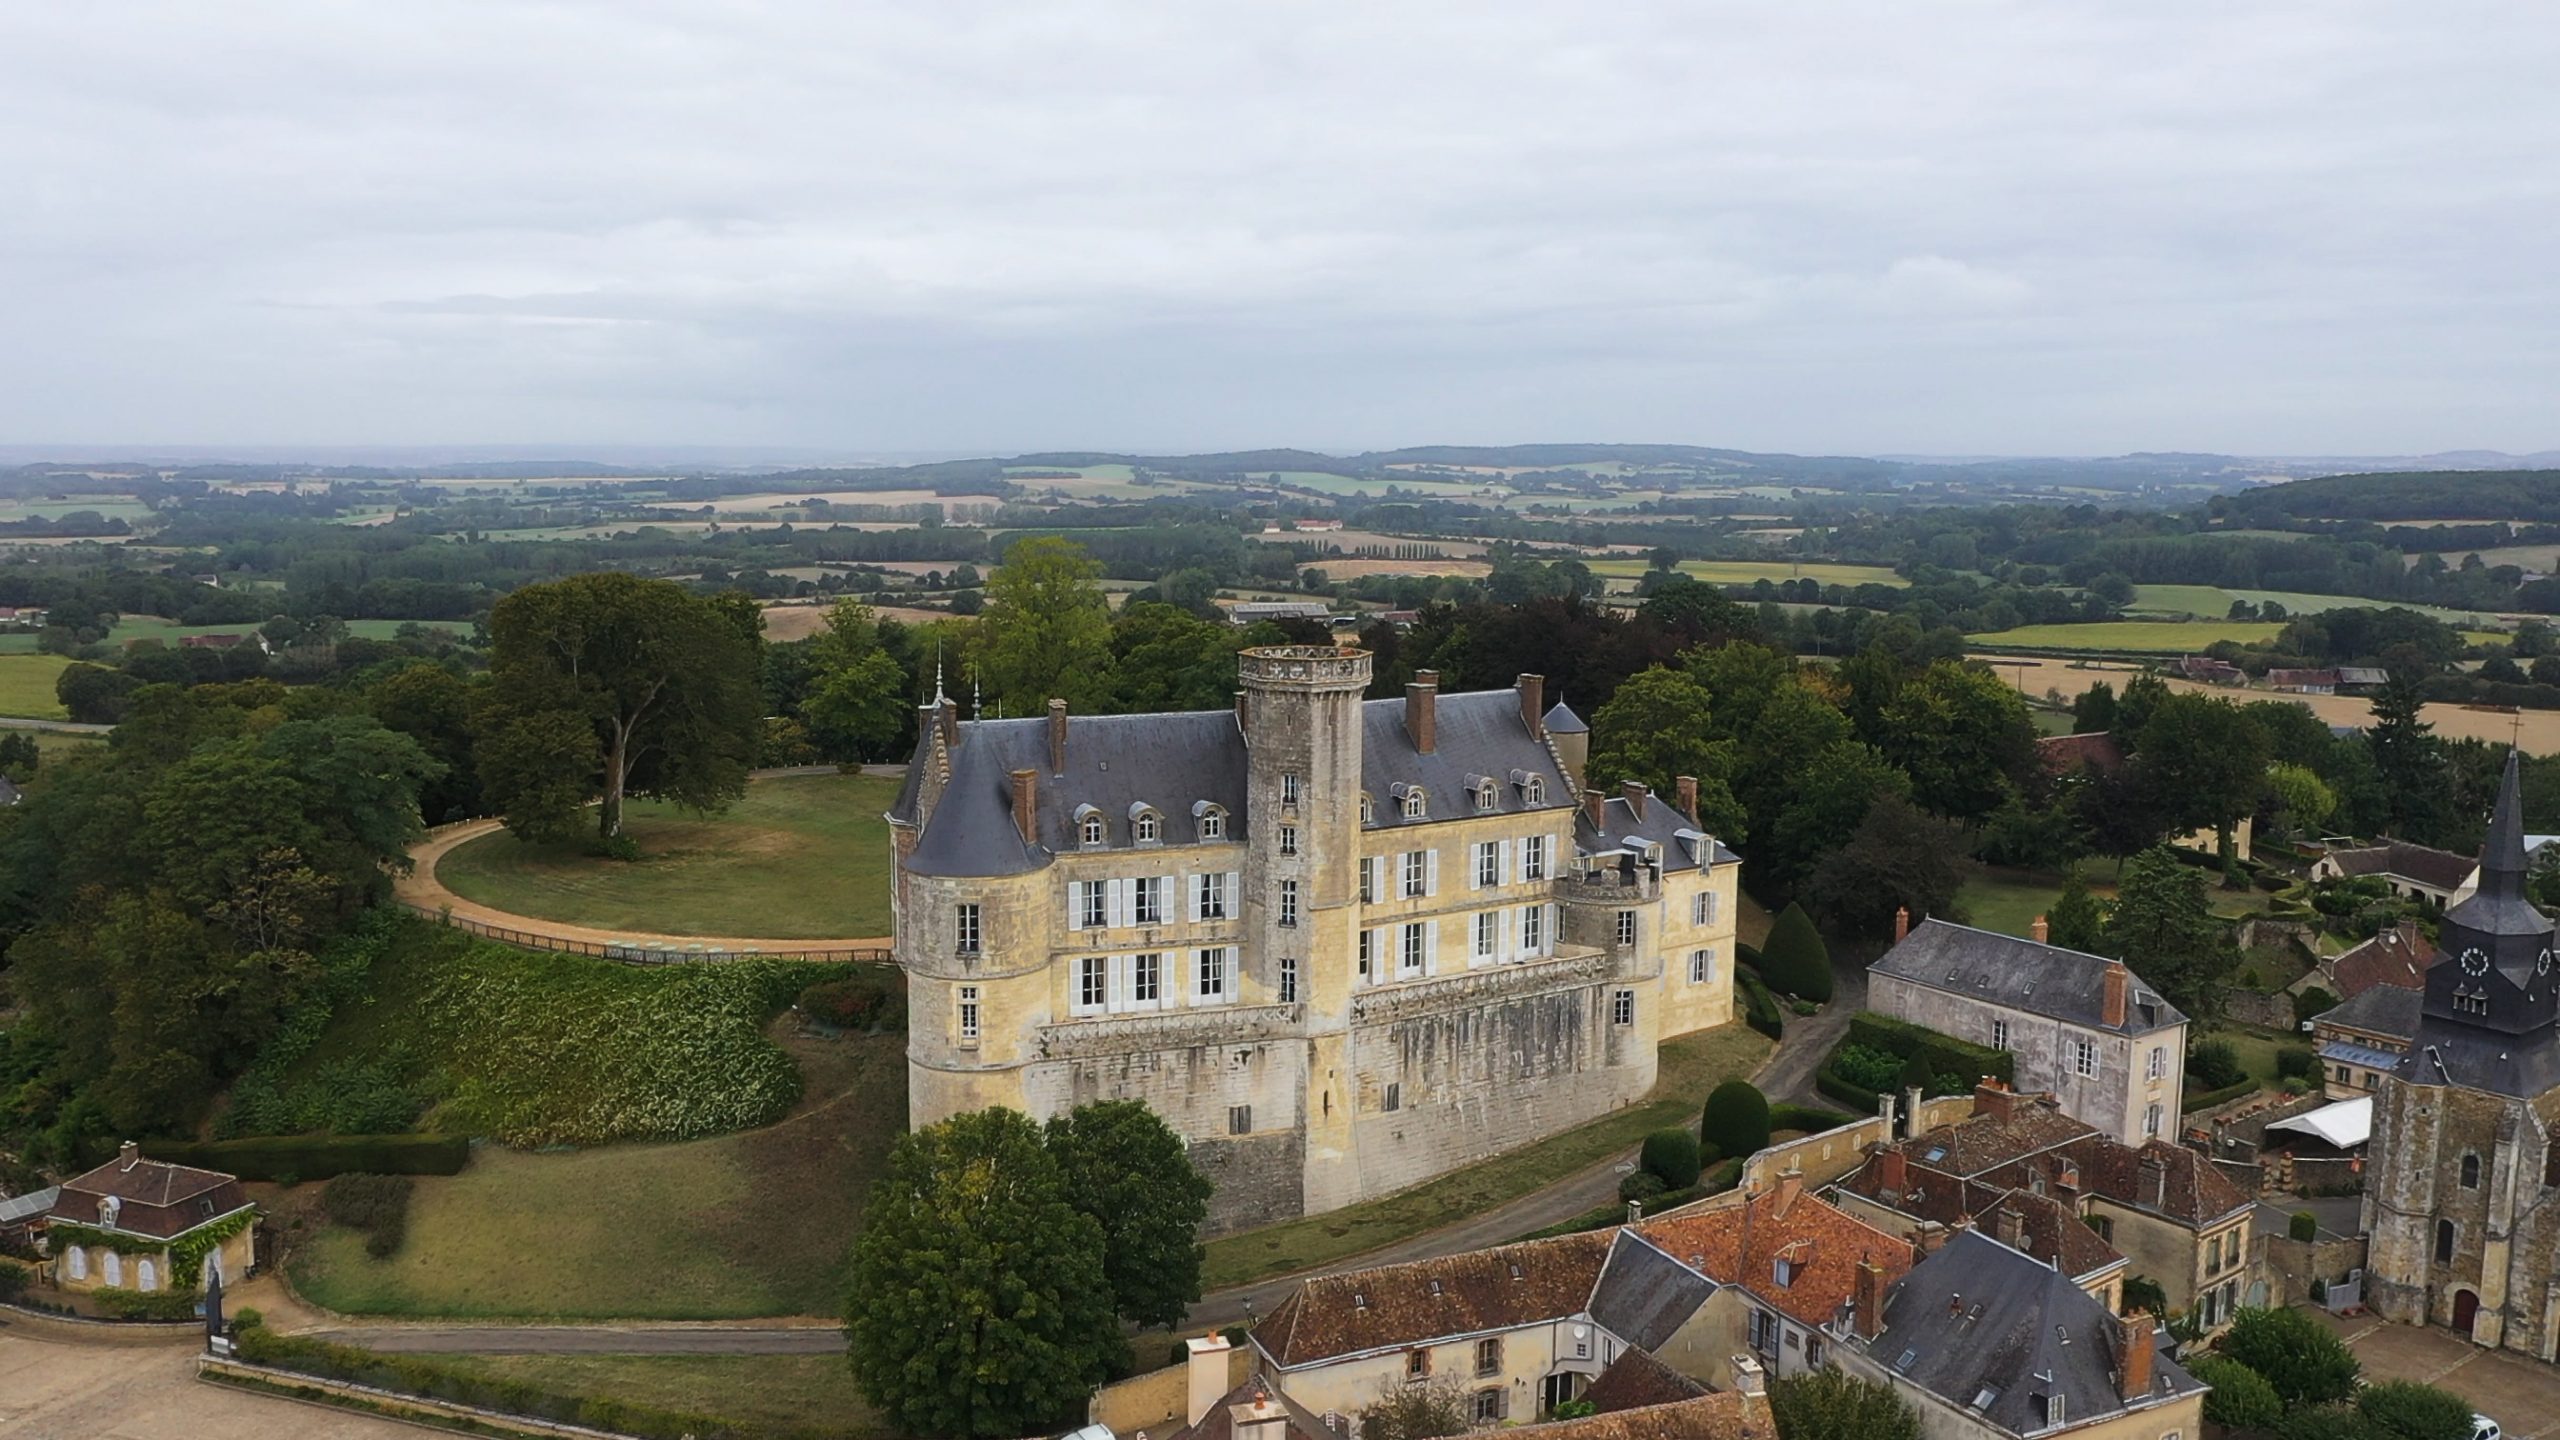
point(2495, 970)
point(2502, 861)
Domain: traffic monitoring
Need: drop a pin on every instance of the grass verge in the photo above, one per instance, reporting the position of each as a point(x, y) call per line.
point(783, 1392)
point(1690, 1066)
point(26, 686)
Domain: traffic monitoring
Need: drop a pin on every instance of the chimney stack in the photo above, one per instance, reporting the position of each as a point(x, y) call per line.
point(1057, 737)
point(1992, 1098)
point(1911, 1108)
point(1634, 791)
point(946, 718)
point(1893, 1169)
point(1419, 712)
point(1533, 704)
point(1748, 1376)
point(2008, 1226)
point(2040, 930)
point(1790, 1185)
point(2140, 1347)
point(1866, 1300)
point(1206, 1373)
point(1901, 923)
point(1687, 788)
point(2155, 1183)
point(1026, 799)
point(1594, 807)
point(128, 1155)
point(2119, 981)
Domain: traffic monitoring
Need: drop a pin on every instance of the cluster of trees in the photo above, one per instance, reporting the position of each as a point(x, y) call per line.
point(998, 1260)
point(2280, 1373)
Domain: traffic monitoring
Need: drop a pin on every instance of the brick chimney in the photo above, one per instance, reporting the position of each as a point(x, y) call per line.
point(2040, 930)
point(1595, 807)
point(1634, 792)
point(2119, 983)
point(1866, 1299)
point(1893, 1171)
point(1420, 715)
point(1992, 1098)
point(1057, 737)
point(1790, 1185)
point(1533, 704)
point(2008, 1226)
point(1026, 799)
point(128, 1155)
point(1686, 786)
point(1901, 923)
point(2133, 1378)
point(1205, 1373)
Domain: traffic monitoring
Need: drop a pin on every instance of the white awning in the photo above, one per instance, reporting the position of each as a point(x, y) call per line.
point(2345, 1125)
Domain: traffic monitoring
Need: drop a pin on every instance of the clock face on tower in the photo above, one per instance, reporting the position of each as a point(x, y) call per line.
point(2475, 961)
point(2542, 962)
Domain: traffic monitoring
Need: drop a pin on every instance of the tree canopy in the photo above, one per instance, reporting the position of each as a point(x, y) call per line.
point(1121, 1164)
point(1046, 630)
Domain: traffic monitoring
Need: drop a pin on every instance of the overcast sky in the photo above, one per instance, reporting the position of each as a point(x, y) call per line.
point(2036, 227)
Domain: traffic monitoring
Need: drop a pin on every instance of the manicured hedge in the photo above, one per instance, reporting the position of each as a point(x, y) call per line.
point(1760, 1008)
point(320, 1157)
point(1943, 1054)
point(2207, 1099)
point(1848, 1092)
point(1810, 1118)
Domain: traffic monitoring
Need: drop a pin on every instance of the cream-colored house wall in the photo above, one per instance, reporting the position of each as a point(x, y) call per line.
point(1530, 1353)
point(237, 1252)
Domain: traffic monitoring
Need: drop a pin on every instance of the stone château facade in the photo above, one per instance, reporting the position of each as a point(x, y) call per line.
point(1341, 945)
point(2463, 1196)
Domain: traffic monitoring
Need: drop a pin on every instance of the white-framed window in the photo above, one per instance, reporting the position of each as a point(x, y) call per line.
point(2084, 1057)
point(968, 1010)
point(2158, 1065)
point(1093, 984)
point(1702, 966)
point(1626, 927)
point(1488, 933)
point(967, 934)
point(1289, 902)
point(1213, 981)
point(1368, 952)
point(1146, 979)
point(78, 1259)
point(1488, 863)
point(1213, 897)
point(146, 1277)
point(1288, 789)
point(1533, 929)
point(1705, 908)
point(1536, 790)
point(1486, 798)
point(1368, 809)
point(1413, 803)
point(1146, 899)
point(1213, 824)
point(1622, 1008)
point(2151, 1120)
point(1999, 1034)
point(1417, 873)
point(1288, 839)
point(1369, 878)
point(1092, 904)
point(1409, 951)
point(1094, 833)
point(1533, 858)
point(1288, 980)
point(1147, 828)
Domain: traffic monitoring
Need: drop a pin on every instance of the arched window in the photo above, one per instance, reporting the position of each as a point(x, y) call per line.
point(78, 1261)
point(1094, 834)
point(1413, 803)
point(146, 1277)
point(2470, 1172)
point(1213, 824)
point(1368, 810)
point(1536, 790)
point(1146, 827)
point(2444, 1240)
point(113, 1267)
point(1486, 798)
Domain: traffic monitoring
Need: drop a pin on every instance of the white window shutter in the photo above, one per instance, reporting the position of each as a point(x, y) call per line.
point(1715, 903)
point(1166, 887)
point(1431, 947)
point(1505, 856)
point(1431, 871)
point(1547, 935)
point(1506, 937)
point(1235, 895)
point(1113, 902)
point(1075, 904)
point(1475, 866)
point(1199, 895)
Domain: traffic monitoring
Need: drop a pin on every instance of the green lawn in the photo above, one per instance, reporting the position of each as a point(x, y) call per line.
point(1745, 572)
point(2212, 602)
point(782, 1392)
point(1692, 1065)
point(26, 686)
point(2007, 900)
point(2256, 1050)
point(800, 858)
point(752, 1224)
point(2167, 637)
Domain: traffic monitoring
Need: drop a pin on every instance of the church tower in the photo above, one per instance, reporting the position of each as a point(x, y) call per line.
point(2462, 1196)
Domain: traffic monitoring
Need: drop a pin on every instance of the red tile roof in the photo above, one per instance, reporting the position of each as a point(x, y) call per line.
point(2062, 754)
point(1392, 1306)
point(1742, 1245)
point(1725, 1415)
point(2398, 956)
point(152, 1197)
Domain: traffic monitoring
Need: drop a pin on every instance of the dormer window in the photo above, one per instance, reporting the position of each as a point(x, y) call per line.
point(1487, 798)
point(1535, 791)
point(1090, 830)
point(1145, 825)
point(1409, 802)
point(1212, 820)
point(1368, 809)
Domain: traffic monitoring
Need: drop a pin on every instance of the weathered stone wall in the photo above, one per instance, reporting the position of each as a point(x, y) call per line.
point(2289, 1266)
point(2506, 1228)
point(1196, 1089)
point(2114, 1100)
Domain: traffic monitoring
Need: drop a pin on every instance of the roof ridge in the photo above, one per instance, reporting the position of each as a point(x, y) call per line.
point(2024, 940)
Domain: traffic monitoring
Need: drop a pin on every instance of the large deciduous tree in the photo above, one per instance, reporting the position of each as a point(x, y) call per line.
point(2163, 926)
point(2306, 1363)
point(1962, 735)
point(977, 1303)
point(1899, 858)
point(2203, 761)
point(1046, 633)
point(857, 704)
point(1834, 1405)
point(1127, 1169)
point(1656, 729)
point(662, 682)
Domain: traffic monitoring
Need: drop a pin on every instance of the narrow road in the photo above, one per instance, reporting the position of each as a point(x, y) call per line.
point(1809, 1038)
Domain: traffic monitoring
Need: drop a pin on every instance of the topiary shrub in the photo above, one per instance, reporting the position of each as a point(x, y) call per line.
point(1673, 1156)
point(1640, 1185)
point(2241, 1398)
point(377, 1205)
point(2214, 1065)
point(874, 998)
point(1795, 960)
point(1736, 1120)
point(2303, 1225)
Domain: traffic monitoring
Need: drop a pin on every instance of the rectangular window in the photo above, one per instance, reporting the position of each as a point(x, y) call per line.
point(1288, 980)
point(1417, 1364)
point(1999, 1034)
point(1417, 873)
point(1409, 954)
point(964, 929)
point(1488, 864)
point(2084, 1057)
point(1288, 789)
point(1368, 879)
point(1488, 1403)
point(1288, 839)
point(2159, 1065)
point(968, 1012)
point(1146, 979)
point(1368, 952)
point(1698, 907)
point(1622, 1008)
point(1626, 927)
point(1213, 897)
point(1147, 900)
point(1289, 902)
point(1488, 927)
point(2151, 1121)
point(1212, 975)
point(1093, 983)
point(1813, 1350)
point(1394, 1099)
point(1239, 1119)
point(1533, 858)
point(1702, 966)
point(1533, 929)
point(1092, 908)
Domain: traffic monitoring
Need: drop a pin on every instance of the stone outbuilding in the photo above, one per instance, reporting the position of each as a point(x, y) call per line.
point(149, 1226)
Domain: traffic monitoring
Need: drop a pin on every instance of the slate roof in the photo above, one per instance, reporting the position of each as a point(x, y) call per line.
point(1394, 1306)
point(1562, 721)
point(1741, 1245)
point(1475, 734)
point(1981, 1322)
point(1661, 823)
point(1219, 1423)
point(154, 1197)
point(2023, 975)
point(2398, 956)
point(2378, 1010)
point(1635, 1379)
point(1725, 1415)
point(1644, 1296)
point(2438, 869)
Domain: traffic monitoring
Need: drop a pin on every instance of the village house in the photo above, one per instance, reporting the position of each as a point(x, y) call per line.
point(1985, 1342)
point(2066, 756)
point(2365, 1038)
point(2206, 669)
point(2398, 956)
point(2084, 1028)
point(2413, 872)
point(147, 1225)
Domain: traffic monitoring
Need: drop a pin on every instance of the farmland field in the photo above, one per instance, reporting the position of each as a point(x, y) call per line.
point(26, 686)
point(2167, 637)
point(1745, 572)
point(2210, 602)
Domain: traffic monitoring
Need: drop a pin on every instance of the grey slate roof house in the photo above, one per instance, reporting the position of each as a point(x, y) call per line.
point(2084, 1028)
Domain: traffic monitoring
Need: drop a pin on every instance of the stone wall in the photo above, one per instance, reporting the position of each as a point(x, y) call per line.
point(2288, 1266)
point(2113, 1100)
point(1197, 1089)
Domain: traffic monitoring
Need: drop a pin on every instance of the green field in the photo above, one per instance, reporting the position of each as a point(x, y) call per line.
point(2166, 637)
point(1745, 572)
point(2211, 602)
point(800, 858)
point(751, 1224)
point(790, 1393)
point(110, 507)
point(26, 686)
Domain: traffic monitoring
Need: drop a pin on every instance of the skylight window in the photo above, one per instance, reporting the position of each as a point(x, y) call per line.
point(1903, 1361)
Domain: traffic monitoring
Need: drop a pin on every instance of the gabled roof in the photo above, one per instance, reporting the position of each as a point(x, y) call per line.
point(1742, 1245)
point(2046, 1229)
point(2379, 1010)
point(1635, 1379)
point(2095, 750)
point(1644, 1296)
point(1984, 1142)
point(1396, 1306)
point(2023, 975)
point(1261, 1401)
point(2397, 956)
point(2189, 1189)
point(2436, 869)
point(1989, 1331)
